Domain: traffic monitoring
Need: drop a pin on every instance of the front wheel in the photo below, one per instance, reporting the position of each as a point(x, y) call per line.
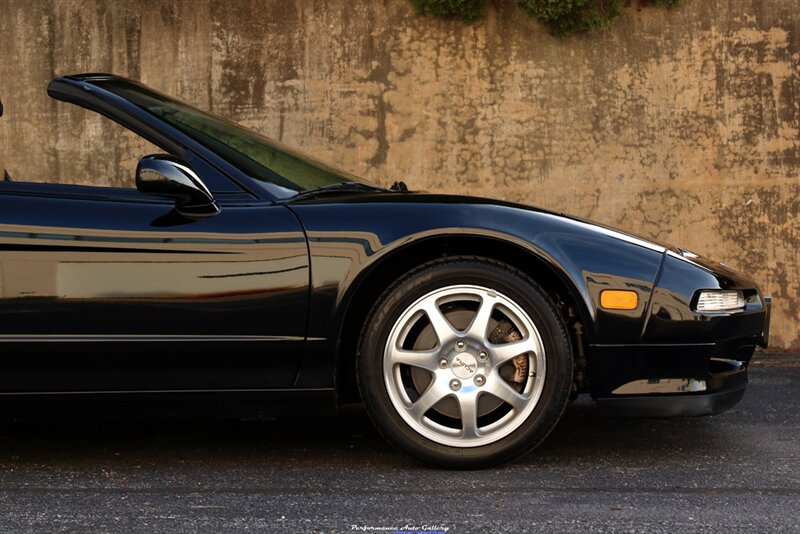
point(464, 362)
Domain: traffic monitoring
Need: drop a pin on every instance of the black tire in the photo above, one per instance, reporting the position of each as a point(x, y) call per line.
point(444, 273)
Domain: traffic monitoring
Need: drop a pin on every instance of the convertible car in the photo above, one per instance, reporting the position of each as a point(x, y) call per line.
point(244, 276)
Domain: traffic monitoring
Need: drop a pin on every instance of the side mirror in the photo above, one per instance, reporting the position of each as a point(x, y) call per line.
point(168, 176)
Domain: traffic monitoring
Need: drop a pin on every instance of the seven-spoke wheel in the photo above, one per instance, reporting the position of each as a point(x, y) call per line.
point(482, 363)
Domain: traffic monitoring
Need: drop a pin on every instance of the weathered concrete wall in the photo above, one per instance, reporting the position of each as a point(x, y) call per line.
point(683, 126)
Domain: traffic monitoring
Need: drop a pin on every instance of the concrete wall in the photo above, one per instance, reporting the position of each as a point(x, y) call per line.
point(682, 126)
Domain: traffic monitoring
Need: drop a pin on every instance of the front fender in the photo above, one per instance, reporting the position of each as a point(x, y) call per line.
point(348, 236)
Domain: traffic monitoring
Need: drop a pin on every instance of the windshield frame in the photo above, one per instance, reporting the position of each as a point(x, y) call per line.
point(240, 146)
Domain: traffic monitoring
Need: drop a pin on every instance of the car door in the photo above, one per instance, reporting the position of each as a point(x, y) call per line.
point(105, 289)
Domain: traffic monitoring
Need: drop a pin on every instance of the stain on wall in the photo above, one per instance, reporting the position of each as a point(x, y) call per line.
point(683, 125)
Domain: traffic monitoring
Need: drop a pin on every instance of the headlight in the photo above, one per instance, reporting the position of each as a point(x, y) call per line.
point(720, 301)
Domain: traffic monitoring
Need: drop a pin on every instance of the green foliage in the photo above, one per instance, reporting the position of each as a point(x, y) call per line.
point(565, 17)
point(561, 17)
point(467, 10)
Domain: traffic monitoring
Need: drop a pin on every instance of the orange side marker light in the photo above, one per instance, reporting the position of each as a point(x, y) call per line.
point(615, 299)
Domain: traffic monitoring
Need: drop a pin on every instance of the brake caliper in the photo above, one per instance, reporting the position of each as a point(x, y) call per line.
point(506, 332)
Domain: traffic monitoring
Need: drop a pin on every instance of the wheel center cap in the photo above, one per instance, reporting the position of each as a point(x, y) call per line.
point(464, 365)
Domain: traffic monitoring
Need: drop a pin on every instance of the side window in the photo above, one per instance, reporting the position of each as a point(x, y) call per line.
point(76, 146)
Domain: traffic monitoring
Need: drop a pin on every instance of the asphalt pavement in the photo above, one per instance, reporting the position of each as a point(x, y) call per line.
point(738, 471)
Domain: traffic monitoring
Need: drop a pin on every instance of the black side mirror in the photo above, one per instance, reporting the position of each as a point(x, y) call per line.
point(168, 176)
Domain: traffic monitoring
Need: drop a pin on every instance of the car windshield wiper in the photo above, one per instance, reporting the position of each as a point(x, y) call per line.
point(341, 187)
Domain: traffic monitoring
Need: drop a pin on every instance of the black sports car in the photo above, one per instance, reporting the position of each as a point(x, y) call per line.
point(242, 274)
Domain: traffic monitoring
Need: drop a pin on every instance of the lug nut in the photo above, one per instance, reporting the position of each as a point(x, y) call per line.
point(483, 355)
point(461, 344)
point(443, 363)
point(455, 384)
point(479, 380)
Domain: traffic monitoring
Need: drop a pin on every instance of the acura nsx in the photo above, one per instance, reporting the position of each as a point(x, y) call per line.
point(239, 273)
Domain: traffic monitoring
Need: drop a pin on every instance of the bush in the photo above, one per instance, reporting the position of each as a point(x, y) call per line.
point(467, 10)
point(561, 17)
point(564, 17)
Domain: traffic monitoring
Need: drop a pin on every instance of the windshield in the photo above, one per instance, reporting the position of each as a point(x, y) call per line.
point(257, 156)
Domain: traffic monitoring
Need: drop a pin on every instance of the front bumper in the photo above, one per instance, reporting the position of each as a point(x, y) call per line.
point(723, 389)
point(687, 363)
